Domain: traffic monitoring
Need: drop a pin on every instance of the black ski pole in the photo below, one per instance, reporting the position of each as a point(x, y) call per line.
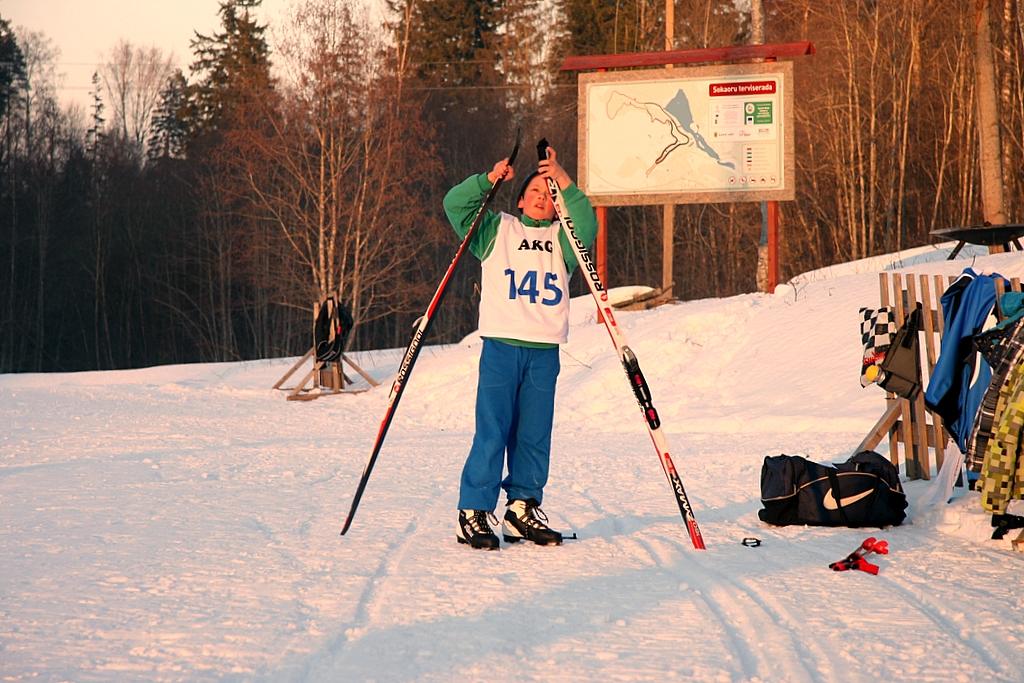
point(626, 356)
point(411, 353)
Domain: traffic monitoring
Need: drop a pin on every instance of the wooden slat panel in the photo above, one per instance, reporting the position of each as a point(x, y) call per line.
point(940, 320)
point(897, 297)
point(894, 449)
point(940, 326)
point(906, 432)
point(928, 323)
point(928, 305)
point(918, 412)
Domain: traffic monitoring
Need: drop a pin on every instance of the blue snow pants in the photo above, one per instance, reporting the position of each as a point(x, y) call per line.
point(515, 406)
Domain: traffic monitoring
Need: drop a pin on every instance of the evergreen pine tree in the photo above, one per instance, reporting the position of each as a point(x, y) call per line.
point(170, 129)
point(231, 72)
point(12, 65)
point(452, 50)
point(607, 26)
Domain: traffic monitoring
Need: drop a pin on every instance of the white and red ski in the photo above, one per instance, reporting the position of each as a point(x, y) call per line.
point(413, 351)
point(626, 356)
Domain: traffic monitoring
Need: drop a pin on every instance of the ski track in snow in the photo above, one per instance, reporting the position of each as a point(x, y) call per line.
point(181, 523)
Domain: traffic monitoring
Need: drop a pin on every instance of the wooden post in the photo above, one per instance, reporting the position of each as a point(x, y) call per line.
point(940, 324)
point(772, 208)
point(293, 368)
point(937, 438)
point(767, 276)
point(601, 246)
point(669, 212)
point(882, 427)
point(892, 402)
point(918, 414)
point(670, 24)
point(601, 252)
point(773, 245)
point(911, 458)
point(667, 241)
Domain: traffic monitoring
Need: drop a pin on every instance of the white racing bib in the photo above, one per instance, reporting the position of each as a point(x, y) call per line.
point(525, 290)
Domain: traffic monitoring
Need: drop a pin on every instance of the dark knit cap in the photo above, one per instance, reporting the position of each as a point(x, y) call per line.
point(526, 183)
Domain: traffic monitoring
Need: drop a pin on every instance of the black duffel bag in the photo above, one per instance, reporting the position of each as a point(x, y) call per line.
point(863, 491)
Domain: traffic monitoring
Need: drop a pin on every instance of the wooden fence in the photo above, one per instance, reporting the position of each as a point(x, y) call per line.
point(913, 430)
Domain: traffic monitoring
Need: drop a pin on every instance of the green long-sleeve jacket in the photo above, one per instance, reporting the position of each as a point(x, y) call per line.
point(462, 202)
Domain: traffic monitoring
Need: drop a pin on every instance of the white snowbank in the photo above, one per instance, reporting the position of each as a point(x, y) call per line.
point(181, 523)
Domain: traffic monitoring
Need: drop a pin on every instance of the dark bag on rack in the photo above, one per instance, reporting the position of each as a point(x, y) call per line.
point(331, 329)
point(901, 369)
point(863, 491)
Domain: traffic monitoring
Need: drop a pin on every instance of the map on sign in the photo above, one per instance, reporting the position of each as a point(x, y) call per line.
point(685, 135)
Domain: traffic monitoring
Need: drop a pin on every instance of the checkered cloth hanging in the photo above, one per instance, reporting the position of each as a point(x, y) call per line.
point(877, 329)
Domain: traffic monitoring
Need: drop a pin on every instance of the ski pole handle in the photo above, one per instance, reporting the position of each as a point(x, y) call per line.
point(542, 149)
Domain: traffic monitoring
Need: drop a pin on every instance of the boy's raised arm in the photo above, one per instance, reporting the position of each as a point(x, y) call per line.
point(462, 202)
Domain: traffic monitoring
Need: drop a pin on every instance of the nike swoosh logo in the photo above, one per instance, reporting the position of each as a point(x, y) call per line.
point(829, 500)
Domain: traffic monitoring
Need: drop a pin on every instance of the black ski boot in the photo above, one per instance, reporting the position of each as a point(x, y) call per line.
point(475, 529)
point(524, 520)
point(1003, 523)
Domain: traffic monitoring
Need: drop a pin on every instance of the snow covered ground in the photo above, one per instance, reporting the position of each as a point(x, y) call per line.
point(181, 523)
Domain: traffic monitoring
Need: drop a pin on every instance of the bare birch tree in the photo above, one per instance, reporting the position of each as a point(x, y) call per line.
point(988, 118)
point(133, 78)
point(335, 168)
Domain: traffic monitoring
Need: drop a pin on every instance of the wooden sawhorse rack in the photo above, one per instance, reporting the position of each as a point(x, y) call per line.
point(909, 423)
point(328, 379)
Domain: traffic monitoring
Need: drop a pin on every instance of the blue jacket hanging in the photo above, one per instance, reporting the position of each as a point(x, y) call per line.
point(951, 394)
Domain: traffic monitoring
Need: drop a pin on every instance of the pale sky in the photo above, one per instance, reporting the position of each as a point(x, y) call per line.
point(85, 31)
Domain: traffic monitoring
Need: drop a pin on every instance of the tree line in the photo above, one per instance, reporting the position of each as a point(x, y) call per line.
point(197, 215)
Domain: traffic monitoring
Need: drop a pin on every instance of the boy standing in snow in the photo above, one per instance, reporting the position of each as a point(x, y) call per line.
point(526, 263)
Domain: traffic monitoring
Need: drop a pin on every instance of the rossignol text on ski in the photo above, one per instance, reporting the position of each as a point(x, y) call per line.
point(626, 356)
point(413, 351)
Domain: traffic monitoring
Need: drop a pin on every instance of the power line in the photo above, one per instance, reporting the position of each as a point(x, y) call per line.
point(508, 86)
